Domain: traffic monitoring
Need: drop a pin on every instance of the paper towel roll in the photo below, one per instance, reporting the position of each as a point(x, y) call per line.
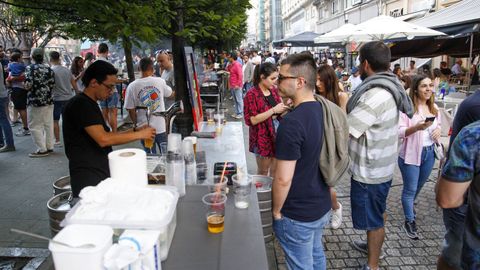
point(129, 166)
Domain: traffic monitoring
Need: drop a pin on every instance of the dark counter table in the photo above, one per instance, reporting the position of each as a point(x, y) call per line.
point(241, 244)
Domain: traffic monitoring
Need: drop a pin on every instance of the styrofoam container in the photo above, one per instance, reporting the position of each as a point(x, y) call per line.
point(67, 258)
point(166, 226)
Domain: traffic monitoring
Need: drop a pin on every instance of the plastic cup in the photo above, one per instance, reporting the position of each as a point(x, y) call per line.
point(148, 143)
point(242, 186)
point(163, 148)
point(210, 113)
point(215, 204)
point(218, 185)
point(193, 139)
point(174, 143)
point(202, 173)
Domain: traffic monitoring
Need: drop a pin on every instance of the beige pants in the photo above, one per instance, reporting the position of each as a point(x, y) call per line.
point(40, 123)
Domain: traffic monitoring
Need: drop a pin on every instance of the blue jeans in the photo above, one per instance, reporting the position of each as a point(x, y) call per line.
point(454, 221)
point(5, 128)
point(470, 256)
point(414, 177)
point(238, 98)
point(111, 102)
point(302, 242)
point(159, 138)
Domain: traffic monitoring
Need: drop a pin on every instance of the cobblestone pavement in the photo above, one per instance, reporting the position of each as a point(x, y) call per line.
point(401, 252)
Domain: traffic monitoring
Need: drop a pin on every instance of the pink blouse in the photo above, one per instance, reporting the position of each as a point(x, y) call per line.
point(412, 145)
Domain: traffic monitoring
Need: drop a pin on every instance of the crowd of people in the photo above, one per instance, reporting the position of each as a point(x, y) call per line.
point(390, 124)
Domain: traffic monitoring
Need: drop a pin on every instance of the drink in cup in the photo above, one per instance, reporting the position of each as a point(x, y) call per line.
point(210, 113)
point(242, 186)
point(215, 204)
point(194, 142)
point(148, 143)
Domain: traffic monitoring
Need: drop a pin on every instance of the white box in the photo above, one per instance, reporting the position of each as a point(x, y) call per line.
point(67, 258)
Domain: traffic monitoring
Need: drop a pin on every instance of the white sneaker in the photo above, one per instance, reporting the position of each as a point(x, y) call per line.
point(337, 217)
point(57, 144)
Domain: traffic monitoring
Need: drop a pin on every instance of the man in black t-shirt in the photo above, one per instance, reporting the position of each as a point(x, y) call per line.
point(301, 198)
point(87, 138)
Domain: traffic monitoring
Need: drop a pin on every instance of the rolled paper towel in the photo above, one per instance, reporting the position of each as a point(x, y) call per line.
point(129, 166)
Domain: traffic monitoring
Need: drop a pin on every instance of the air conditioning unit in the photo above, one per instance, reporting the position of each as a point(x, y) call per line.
point(356, 2)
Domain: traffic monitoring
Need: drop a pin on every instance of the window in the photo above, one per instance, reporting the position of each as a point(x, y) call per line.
point(335, 6)
point(354, 2)
point(313, 12)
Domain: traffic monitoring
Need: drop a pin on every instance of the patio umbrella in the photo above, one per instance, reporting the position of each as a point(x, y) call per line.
point(382, 28)
point(341, 34)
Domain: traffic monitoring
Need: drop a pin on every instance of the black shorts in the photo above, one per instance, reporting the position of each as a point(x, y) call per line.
point(19, 98)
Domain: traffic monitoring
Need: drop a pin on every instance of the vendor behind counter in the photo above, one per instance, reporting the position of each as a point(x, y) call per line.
point(87, 137)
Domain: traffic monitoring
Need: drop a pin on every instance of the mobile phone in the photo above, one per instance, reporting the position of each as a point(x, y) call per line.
point(430, 119)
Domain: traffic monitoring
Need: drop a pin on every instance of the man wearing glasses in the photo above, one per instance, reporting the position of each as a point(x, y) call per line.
point(301, 198)
point(87, 138)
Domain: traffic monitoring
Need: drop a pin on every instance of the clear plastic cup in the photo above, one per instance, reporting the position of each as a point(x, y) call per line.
point(219, 184)
point(242, 187)
point(210, 113)
point(215, 204)
point(202, 173)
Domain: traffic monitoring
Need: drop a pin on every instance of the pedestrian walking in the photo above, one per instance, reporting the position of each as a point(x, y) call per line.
point(327, 86)
point(77, 70)
point(236, 83)
point(247, 69)
point(263, 107)
point(300, 196)
point(87, 138)
point(373, 120)
point(64, 89)
point(416, 155)
point(39, 82)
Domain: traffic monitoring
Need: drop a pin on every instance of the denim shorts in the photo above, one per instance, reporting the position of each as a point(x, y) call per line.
point(111, 102)
point(369, 202)
point(454, 221)
point(58, 109)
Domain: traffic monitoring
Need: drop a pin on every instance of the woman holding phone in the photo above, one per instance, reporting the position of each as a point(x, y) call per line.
point(416, 154)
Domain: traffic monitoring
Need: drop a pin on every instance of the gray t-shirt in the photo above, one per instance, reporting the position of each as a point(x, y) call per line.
point(3, 89)
point(167, 75)
point(63, 83)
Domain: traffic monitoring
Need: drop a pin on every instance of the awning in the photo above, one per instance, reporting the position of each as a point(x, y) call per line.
point(304, 39)
point(459, 18)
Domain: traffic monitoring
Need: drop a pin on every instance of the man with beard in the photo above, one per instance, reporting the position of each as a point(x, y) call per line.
point(373, 121)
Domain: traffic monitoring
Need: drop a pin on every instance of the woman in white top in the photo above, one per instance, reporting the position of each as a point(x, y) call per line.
point(416, 155)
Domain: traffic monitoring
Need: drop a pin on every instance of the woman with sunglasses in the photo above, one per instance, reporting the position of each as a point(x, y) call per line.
point(416, 154)
point(262, 106)
point(327, 86)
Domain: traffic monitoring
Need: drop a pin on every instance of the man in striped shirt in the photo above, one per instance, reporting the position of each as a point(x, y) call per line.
point(373, 121)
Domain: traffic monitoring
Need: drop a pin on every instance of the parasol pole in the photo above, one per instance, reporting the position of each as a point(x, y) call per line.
point(467, 83)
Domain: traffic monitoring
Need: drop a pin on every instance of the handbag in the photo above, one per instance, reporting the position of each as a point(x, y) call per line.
point(439, 151)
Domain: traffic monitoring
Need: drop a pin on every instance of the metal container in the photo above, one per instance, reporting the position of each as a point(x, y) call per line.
point(268, 238)
point(58, 206)
point(62, 184)
point(264, 187)
point(266, 216)
point(264, 205)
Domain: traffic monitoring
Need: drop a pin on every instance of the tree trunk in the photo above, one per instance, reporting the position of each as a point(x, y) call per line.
point(185, 123)
point(127, 48)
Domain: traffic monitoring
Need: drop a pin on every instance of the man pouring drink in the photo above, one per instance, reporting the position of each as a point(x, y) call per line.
point(87, 138)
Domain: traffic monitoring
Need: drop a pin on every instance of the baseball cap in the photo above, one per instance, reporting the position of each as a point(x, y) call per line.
point(344, 73)
point(354, 70)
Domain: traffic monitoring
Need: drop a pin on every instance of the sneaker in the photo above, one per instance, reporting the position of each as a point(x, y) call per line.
point(238, 116)
point(38, 154)
point(230, 98)
point(57, 144)
point(337, 217)
point(410, 228)
point(7, 148)
point(15, 123)
point(361, 246)
point(49, 150)
point(23, 132)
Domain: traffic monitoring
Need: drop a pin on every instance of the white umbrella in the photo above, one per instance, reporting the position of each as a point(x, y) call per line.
point(341, 34)
point(381, 28)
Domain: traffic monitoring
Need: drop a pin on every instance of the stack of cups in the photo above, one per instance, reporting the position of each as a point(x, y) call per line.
point(190, 164)
point(175, 171)
point(242, 187)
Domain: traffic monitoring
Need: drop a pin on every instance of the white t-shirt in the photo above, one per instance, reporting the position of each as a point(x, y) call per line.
point(257, 60)
point(149, 92)
point(355, 82)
